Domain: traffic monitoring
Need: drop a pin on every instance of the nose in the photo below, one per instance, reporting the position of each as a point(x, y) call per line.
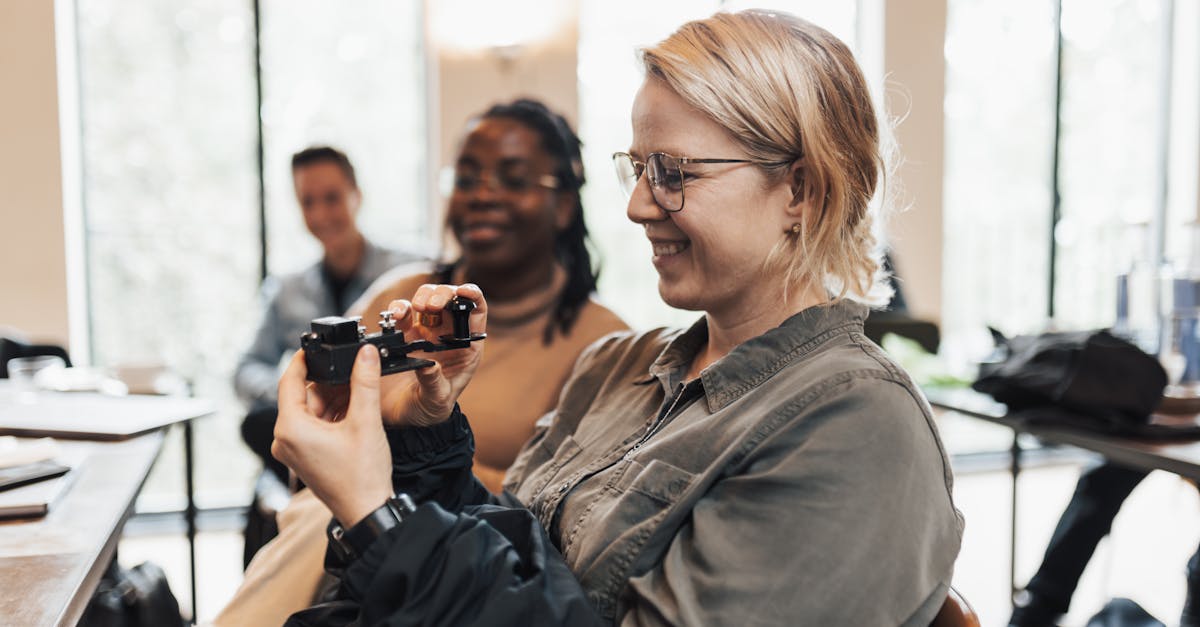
point(486, 191)
point(642, 208)
point(320, 212)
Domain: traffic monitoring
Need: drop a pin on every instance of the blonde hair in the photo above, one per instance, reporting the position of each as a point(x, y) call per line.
point(787, 89)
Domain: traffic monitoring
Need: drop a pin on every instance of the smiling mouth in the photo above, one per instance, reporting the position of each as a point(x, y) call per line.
point(482, 232)
point(666, 249)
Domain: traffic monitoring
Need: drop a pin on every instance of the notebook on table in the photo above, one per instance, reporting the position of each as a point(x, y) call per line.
point(16, 476)
point(35, 499)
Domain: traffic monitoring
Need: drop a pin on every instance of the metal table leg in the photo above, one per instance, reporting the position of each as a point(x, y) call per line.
point(190, 512)
point(1015, 468)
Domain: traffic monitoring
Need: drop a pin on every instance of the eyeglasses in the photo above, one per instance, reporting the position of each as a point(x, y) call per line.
point(666, 175)
point(468, 181)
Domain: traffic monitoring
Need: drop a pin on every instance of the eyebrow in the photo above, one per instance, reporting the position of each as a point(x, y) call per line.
point(505, 162)
point(670, 151)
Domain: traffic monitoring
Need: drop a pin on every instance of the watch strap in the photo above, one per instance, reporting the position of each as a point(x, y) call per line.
point(353, 542)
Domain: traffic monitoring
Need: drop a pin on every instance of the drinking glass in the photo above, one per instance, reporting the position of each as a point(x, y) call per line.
point(25, 371)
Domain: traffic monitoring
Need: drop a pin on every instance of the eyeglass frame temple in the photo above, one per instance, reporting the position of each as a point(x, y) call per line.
point(680, 162)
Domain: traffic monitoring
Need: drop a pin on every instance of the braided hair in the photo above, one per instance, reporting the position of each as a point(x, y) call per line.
point(571, 244)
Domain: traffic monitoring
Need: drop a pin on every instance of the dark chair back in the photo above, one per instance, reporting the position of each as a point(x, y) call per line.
point(11, 348)
point(923, 332)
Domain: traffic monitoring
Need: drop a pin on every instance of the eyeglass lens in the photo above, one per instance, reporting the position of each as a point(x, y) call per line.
point(467, 180)
point(664, 174)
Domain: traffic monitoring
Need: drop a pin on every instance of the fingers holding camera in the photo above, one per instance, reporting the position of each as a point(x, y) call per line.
point(293, 389)
point(346, 462)
point(363, 403)
point(429, 304)
point(478, 317)
point(428, 396)
point(402, 314)
point(328, 401)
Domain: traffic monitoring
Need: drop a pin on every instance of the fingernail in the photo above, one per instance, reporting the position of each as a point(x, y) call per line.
point(368, 354)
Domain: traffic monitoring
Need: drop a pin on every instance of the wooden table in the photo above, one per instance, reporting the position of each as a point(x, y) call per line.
point(49, 567)
point(1179, 457)
point(98, 417)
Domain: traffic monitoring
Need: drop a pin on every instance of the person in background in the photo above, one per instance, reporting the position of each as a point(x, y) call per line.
point(516, 215)
point(767, 466)
point(329, 198)
point(1098, 496)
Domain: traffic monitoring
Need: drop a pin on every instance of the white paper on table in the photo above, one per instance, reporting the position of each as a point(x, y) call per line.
point(16, 452)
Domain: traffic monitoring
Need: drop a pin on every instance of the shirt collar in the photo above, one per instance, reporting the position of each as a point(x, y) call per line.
point(752, 362)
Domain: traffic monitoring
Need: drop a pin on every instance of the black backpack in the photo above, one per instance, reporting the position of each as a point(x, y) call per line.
point(1092, 372)
point(1083, 379)
point(133, 597)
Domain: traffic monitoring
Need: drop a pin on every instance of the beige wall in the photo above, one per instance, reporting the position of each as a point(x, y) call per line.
point(33, 275)
point(914, 70)
point(467, 81)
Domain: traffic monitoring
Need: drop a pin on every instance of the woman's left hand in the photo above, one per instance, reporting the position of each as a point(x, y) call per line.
point(338, 449)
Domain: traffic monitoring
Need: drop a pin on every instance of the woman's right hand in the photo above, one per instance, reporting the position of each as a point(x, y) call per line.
point(428, 397)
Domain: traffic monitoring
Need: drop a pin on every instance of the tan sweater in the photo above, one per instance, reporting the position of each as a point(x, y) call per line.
point(520, 376)
point(517, 382)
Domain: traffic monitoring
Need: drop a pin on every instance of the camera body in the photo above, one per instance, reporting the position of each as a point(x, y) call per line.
point(332, 345)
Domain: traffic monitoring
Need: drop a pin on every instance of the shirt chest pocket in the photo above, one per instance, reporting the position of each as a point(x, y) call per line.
point(614, 527)
point(658, 481)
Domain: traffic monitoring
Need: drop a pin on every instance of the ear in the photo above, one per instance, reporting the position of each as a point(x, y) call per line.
point(354, 199)
point(799, 186)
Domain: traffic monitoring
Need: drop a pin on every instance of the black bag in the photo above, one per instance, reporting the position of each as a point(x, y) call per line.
point(1107, 381)
point(134, 597)
point(1123, 613)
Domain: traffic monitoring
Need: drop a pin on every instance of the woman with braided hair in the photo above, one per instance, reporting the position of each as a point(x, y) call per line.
point(515, 213)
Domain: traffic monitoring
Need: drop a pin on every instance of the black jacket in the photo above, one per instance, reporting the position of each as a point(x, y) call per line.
point(465, 557)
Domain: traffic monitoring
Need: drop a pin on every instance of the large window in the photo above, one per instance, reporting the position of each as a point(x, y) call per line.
point(1000, 149)
point(999, 121)
point(350, 75)
point(171, 207)
point(1110, 169)
point(171, 187)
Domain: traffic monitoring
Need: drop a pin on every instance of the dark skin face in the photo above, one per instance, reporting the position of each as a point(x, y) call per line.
point(501, 212)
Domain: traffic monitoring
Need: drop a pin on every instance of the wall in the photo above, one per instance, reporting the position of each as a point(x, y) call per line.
point(915, 77)
point(33, 271)
point(466, 80)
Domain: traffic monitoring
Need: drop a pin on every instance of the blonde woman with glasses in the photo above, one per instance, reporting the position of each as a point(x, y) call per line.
point(767, 466)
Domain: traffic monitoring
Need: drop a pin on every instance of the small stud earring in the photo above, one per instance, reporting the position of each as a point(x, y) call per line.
point(795, 230)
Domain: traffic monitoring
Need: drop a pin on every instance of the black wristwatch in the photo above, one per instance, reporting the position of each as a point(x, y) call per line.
point(353, 542)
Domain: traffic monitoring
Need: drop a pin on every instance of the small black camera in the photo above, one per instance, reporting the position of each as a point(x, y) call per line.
point(330, 349)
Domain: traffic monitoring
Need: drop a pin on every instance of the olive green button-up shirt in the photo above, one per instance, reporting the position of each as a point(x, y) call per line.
point(799, 480)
